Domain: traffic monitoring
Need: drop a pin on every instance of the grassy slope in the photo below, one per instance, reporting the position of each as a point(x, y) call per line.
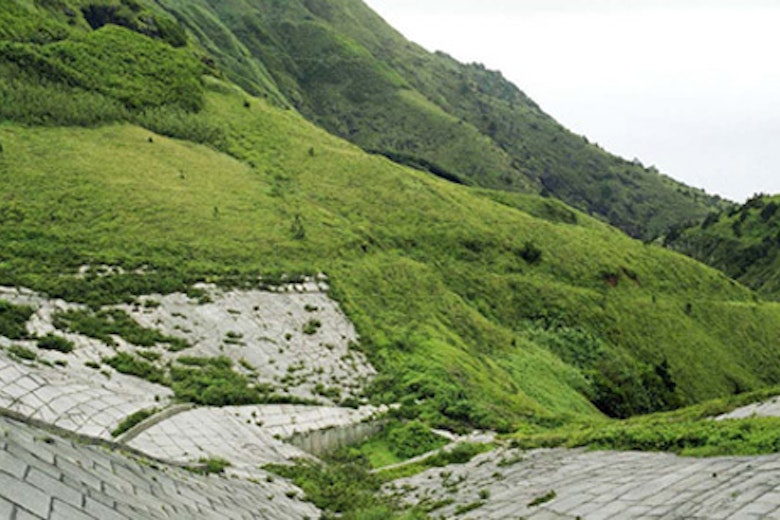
point(484, 306)
point(688, 431)
point(743, 242)
point(347, 70)
point(439, 290)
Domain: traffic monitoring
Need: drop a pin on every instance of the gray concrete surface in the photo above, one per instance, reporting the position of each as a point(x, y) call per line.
point(266, 334)
point(598, 485)
point(768, 408)
point(248, 436)
point(75, 398)
point(45, 476)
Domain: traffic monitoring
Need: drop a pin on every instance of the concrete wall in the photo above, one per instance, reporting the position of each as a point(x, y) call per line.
point(320, 442)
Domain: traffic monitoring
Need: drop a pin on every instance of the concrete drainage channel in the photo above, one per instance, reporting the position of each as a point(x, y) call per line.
point(153, 420)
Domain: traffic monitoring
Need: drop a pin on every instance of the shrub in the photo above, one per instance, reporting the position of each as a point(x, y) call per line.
point(530, 253)
point(311, 327)
point(297, 230)
point(542, 499)
point(769, 211)
point(466, 508)
point(412, 439)
point(333, 393)
point(150, 355)
point(58, 343)
point(711, 219)
point(207, 466)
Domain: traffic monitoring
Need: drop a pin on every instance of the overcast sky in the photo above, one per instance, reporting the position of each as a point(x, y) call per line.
point(690, 86)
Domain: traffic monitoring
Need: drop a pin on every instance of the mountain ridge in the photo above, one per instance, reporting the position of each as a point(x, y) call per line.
point(344, 68)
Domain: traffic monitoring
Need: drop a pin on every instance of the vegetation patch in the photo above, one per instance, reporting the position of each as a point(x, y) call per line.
point(750, 436)
point(344, 488)
point(209, 466)
point(54, 342)
point(129, 364)
point(407, 440)
point(104, 324)
point(398, 441)
point(213, 382)
point(22, 353)
point(132, 15)
point(13, 320)
point(206, 381)
point(689, 431)
point(132, 420)
point(459, 454)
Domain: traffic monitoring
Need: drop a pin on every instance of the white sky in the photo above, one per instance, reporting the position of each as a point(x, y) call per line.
point(690, 86)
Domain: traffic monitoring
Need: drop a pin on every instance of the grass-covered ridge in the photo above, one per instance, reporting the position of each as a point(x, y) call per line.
point(475, 311)
point(344, 68)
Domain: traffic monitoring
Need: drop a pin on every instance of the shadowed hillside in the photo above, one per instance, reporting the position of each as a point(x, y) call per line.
point(743, 242)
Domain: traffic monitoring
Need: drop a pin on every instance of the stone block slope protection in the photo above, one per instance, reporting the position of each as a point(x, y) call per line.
point(47, 472)
point(571, 484)
point(60, 409)
point(46, 476)
point(295, 341)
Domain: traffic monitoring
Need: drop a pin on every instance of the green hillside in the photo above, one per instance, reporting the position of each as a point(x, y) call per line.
point(743, 242)
point(126, 147)
point(345, 69)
